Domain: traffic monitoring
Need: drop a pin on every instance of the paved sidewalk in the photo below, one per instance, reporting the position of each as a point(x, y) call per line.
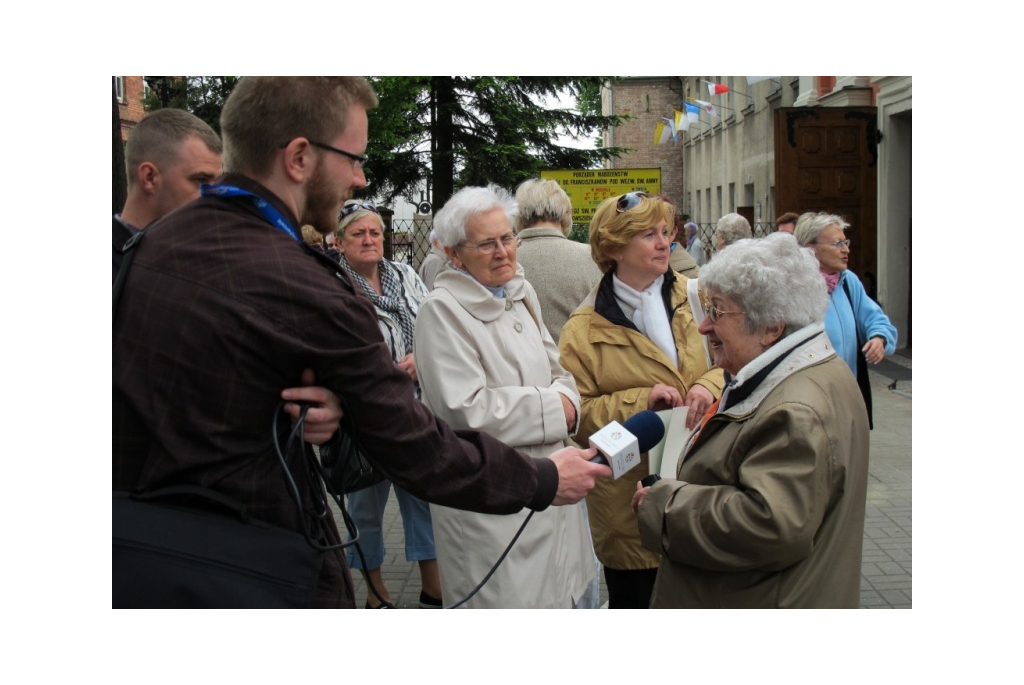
point(886, 570)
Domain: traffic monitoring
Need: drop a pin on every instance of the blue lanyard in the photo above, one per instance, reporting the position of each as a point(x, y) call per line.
point(268, 211)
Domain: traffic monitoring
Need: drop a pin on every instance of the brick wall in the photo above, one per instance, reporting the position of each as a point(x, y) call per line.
point(131, 110)
point(647, 100)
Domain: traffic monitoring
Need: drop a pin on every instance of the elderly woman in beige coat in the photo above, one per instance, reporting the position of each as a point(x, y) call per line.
point(486, 362)
point(768, 507)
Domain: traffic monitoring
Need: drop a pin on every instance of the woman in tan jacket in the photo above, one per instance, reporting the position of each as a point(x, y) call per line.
point(633, 345)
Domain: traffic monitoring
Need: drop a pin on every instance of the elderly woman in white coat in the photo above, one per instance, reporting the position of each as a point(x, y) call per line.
point(487, 362)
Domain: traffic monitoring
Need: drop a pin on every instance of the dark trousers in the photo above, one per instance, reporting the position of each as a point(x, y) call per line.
point(630, 589)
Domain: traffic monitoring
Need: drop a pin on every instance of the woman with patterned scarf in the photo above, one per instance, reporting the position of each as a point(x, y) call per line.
point(396, 293)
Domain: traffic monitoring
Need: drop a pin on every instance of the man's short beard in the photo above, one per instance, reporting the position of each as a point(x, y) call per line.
point(322, 202)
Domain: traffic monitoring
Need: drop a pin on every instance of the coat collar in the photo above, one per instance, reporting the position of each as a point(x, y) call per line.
point(607, 306)
point(541, 232)
point(797, 351)
point(475, 298)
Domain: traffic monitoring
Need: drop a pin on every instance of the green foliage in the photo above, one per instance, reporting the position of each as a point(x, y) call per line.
point(445, 132)
point(454, 131)
point(204, 96)
point(580, 233)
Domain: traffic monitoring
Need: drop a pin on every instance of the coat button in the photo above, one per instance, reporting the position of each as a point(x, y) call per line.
point(508, 305)
point(519, 327)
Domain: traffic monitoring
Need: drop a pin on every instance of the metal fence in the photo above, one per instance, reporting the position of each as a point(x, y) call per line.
point(407, 240)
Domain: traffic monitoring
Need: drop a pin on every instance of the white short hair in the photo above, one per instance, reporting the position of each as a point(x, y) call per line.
point(772, 279)
point(450, 221)
point(733, 227)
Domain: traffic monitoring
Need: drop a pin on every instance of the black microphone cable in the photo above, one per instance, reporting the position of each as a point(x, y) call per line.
point(319, 484)
point(496, 565)
point(320, 502)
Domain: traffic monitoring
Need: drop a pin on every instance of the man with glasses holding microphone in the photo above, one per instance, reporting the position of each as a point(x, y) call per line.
point(229, 305)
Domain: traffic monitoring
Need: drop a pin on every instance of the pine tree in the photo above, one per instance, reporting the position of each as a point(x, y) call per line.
point(454, 131)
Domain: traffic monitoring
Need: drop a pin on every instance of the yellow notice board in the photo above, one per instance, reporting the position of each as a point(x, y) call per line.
point(587, 188)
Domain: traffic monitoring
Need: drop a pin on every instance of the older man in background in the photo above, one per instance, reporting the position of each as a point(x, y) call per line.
point(560, 270)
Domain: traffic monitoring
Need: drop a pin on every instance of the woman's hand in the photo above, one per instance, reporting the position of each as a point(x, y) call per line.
point(408, 364)
point(663, 397)
point(698, 399)
point(638, 497)
point(874, 350)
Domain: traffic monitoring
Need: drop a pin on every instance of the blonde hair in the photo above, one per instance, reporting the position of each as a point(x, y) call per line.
point(311, 236)
point(348, 220)
point(611, 229)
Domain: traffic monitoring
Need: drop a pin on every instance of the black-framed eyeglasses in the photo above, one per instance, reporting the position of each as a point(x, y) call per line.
point(489, 247)
point(630, 201)
point(359, 161)
point(714, 313)
point(839, 244)
point(348, 209)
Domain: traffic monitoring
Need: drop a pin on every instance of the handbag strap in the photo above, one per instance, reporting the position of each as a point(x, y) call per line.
point(122, 275)
point(533, 314)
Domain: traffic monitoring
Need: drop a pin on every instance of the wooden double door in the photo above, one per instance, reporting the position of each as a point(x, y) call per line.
point(826, 160)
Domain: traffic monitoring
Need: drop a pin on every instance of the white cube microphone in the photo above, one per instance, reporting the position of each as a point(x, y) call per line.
point(620, 445)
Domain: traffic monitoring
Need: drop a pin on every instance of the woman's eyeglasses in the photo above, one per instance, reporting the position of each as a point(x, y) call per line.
point(630, 201)
point(839, 244)
point(489, 247)
point(348, 209)
point(714, 313)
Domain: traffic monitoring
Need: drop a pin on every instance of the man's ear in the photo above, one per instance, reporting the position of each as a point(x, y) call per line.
point(149, 177)
point(298, 160)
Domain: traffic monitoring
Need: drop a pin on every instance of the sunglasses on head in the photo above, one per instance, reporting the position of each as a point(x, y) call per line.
point(348, 209)
point(630, 201)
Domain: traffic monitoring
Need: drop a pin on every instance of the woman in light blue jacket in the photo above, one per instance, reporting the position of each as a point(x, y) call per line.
point(858, 328)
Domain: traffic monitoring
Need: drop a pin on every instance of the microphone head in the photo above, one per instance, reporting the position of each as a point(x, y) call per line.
point(647, 427)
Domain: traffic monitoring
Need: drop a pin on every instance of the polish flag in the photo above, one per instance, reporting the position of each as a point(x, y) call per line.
point(717, 88)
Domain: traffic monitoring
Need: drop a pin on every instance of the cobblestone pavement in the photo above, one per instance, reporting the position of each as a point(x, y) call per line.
point(886, 569)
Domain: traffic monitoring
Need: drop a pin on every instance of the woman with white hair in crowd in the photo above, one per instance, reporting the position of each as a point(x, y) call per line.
point(857, 326)
point(767, 508)
point(730, 228)
point(487, 362)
